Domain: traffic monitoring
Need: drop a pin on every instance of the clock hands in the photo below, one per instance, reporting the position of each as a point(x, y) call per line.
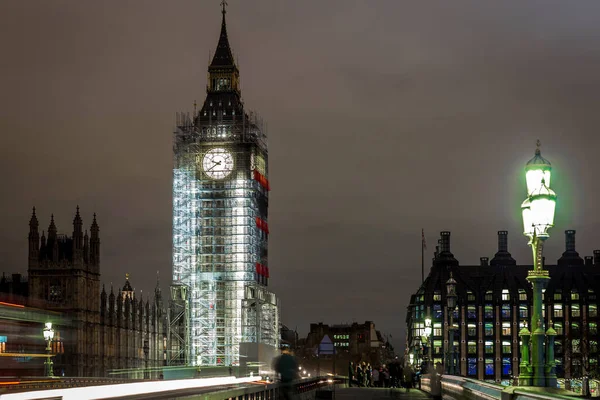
point(213, 167)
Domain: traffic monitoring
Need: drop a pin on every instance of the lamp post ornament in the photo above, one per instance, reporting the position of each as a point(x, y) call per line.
point(538, 217)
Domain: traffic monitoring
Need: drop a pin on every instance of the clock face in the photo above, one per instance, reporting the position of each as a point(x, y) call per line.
point(217, 163)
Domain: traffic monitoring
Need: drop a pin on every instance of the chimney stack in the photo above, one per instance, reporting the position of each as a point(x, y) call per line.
point(596, 257)
point(483, 261)
point(570, 240)
point(502, 241)
point(445, 242)
point(589, 260)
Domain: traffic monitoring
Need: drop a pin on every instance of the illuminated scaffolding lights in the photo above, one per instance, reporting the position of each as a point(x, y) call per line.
point(262, 225)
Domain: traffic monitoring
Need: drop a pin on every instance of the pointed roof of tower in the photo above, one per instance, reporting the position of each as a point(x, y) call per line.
point(223, 56)
point(52, 227)
point(33, 222)
point(94, 228)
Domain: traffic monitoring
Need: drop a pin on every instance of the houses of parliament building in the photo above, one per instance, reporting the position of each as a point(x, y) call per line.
point(97, 331)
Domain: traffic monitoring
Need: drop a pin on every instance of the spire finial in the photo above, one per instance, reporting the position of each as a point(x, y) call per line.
point(195, 105)
point(224, 5)
point(33, 210)
point(538, 144)
point(127, 276)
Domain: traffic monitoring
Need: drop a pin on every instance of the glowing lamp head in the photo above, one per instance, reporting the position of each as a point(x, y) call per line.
point(48, 331)
point(537, 172)
point(539, 207)
point(428, 327)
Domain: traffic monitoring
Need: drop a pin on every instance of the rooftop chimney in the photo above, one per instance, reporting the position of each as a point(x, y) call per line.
point(596, 257)
point(445, 242)
point(502, 256)
point(589, 260)
point(570, 240)
point(502, 241)
point(570, 256)
point(483, 261)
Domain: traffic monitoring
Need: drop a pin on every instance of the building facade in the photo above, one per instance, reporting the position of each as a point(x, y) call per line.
point(220, 224)
point(352, 342)
point(494, 302)
point(95, 332)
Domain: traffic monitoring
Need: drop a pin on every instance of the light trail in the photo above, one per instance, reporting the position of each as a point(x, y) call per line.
point(126, 389)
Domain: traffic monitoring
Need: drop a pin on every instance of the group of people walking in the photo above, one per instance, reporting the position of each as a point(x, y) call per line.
point(362, 374)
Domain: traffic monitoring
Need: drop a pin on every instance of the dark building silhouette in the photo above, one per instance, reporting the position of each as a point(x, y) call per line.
point(94, 331)
point(494, 299)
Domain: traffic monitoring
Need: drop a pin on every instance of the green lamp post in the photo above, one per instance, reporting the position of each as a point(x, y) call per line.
point(538, 217)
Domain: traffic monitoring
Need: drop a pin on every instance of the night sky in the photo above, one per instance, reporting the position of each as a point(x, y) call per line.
point(384, 117)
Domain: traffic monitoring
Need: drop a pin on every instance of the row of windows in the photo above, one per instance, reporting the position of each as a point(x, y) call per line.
point(506, 310)
point(489, 348)
point(341, 337)
point(505, 295)
point(341, 344)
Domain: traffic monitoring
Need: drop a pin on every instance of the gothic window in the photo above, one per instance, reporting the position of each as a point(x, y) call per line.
point(437, 296)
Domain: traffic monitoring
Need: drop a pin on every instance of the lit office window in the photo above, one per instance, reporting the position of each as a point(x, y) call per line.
point(488, 311)
point(574, 295)
point(437, 311)
point(593, 327)
point(437, 296)
point(470, 296)
point(489, 329)
point(593, 310)
point(505, 295)
point(489, 347)
point(489, 366)
point(557, 296)
point(575, 329)
point(575, 311)
point(437, 346)
point(591, 294)
point(472, 366)
point(576, 345)
point(593, 346)
point(506, 349)
point(506, 328)
point(471, 312)
point(472, 347)
point(506, 366)
point(437, 329)
point(472, 330)
point(523, 311)
point(522, 295)
point(489, 296)
point(558, 311)
point(505, 311)
point(558, 327)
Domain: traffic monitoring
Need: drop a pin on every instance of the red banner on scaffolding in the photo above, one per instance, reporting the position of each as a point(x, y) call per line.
point(262, 225)
point(262, 270)
point(260, 178)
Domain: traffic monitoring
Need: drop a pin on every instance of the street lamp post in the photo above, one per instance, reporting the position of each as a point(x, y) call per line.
point(538, 217)
point(451, 298)
point(425, 339)
point(48, 336)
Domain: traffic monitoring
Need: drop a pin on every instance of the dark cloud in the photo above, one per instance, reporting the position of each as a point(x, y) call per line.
point(384, 117)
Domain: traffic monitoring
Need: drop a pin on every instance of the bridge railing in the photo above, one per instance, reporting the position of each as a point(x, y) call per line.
point(461, 388)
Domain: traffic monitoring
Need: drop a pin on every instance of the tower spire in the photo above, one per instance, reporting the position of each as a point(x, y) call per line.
point(223, 56)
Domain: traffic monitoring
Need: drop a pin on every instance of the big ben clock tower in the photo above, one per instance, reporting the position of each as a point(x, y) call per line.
point(220, 223)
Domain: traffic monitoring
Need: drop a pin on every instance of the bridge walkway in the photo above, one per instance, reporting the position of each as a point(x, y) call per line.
point(379, 394)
